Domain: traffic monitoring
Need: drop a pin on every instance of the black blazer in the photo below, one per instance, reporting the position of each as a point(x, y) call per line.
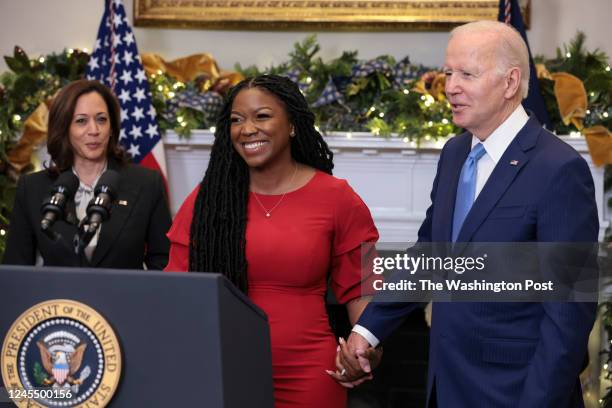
point(135, 232)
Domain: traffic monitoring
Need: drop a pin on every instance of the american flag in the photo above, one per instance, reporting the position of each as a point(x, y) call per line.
point(116, 63)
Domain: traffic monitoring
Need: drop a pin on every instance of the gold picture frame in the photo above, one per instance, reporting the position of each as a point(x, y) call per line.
point(315, 14)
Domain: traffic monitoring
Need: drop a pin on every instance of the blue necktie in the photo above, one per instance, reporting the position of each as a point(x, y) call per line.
point(466, 189)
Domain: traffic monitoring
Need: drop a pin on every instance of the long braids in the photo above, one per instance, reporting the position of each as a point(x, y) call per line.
point(218, 227)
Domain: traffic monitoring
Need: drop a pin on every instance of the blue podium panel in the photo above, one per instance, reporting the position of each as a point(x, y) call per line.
point(172, 339)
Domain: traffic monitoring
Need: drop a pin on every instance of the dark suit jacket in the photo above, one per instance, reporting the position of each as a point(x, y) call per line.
point(135, 232)
point(507, 354)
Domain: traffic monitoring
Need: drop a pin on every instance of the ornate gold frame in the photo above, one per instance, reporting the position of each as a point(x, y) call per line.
point(313, 14)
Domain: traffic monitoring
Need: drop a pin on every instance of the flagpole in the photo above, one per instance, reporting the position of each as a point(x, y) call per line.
point(111, 18)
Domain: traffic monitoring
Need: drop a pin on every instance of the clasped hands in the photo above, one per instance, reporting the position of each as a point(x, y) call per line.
point(355, 360)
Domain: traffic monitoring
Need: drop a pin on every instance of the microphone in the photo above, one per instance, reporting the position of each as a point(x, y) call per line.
point(98, 209)
point(52, 208)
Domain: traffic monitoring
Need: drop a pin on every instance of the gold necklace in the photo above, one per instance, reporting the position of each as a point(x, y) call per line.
point(269, 212)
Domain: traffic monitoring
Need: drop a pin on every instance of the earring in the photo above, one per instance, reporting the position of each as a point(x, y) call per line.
point(292, 134)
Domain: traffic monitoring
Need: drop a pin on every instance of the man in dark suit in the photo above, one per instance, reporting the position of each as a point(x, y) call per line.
point(505, 180)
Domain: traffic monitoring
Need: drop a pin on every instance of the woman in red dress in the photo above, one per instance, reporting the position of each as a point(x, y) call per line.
point(270, 216)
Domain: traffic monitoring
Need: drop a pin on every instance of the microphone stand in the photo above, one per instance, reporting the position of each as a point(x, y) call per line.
point(83, 237)
point(57, 238)
point(98, 211)
point(48, 231)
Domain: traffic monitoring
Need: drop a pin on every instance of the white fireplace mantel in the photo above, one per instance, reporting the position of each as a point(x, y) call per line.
point(393, 177)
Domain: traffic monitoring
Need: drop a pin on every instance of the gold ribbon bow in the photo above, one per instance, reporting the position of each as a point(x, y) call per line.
point(34, 134)
point(599, 140)
point(432, 83)
point(189, 68)
point(571, 98)
point(572, 101)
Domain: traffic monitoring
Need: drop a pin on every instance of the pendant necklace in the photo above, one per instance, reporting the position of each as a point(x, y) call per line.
point(269, 212)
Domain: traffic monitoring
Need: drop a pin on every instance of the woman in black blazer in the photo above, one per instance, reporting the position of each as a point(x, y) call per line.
point(84, 128)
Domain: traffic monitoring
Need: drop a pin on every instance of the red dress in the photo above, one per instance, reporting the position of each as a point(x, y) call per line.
point(315, 230)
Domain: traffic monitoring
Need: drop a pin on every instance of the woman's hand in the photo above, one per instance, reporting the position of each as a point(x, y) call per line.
point(355, 360)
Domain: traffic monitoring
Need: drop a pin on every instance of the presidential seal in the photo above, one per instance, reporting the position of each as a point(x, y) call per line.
point(61, 353)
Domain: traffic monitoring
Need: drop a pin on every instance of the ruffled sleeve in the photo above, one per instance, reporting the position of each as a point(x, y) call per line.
point(179, 235)
point(350, 272)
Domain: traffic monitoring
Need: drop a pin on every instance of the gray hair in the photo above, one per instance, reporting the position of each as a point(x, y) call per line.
point(511, 51)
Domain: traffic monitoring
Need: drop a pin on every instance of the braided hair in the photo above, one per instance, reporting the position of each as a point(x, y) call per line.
point(217, 236)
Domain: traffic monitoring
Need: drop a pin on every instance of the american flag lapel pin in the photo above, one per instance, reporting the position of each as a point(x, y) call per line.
point(513, 162)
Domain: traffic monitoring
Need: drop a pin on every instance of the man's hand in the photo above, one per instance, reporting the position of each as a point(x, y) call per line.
point(354, 361)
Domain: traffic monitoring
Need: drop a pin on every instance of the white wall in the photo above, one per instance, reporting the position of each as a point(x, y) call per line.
point(43, 26)
point(555, 22)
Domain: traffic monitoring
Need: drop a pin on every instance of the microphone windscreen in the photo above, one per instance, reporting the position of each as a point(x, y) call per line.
point(108, 183)
point(69, 182)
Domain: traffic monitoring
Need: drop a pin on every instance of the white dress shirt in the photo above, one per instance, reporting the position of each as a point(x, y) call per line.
point(495, 145)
